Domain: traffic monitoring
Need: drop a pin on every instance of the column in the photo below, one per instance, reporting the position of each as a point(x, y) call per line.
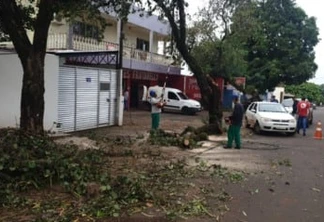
point(69, 39)
point(151, 44)
point(118, 29)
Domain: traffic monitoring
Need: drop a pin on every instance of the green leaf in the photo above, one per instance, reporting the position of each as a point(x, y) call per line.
point(31, 164)
point(12, 168)
point(115, 214)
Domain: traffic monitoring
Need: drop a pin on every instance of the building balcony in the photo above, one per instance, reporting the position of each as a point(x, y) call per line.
point(132, 58)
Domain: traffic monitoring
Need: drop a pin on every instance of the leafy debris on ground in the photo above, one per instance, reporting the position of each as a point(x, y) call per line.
point(45, 181)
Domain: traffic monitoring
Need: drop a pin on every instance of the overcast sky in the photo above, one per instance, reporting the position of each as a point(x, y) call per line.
point(312, 8)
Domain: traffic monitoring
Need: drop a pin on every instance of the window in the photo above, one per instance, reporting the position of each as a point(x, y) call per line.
point(273, 108)
point(85, 30)
point(182, 96)
point(252, 106)
point(104, 86)
point(173, 96)
point(142, 45)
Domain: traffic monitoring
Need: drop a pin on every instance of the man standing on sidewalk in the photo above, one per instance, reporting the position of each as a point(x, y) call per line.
point(235, 121)
point(302, 111)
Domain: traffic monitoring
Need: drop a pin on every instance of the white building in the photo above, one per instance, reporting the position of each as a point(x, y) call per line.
point(76, 97)
point(142, 65)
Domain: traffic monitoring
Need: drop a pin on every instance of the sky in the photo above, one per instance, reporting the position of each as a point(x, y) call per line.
point(312, 8)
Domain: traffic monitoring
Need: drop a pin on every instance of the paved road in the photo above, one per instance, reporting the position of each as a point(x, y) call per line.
point(293, 187)
point(287, 173)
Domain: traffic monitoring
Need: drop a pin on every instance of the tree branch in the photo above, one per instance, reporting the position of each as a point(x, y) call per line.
point(12, 21)
point(43, 21)
point(170, 17)
point(182, 20)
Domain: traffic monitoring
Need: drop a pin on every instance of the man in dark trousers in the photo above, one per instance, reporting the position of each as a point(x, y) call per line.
point(302, 111)
point(235, 121)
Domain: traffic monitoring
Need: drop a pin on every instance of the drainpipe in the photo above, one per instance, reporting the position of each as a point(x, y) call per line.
point(120, 98)
point(151, 45)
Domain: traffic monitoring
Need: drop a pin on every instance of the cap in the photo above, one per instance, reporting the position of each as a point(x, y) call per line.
point(235, 97)
point(152, 93)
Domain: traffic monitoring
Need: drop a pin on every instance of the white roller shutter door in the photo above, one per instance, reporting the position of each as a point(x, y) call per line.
point(83, 103)
point(66, 99)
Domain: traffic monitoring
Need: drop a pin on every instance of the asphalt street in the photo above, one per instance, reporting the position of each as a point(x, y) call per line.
point(293, 187)
point(285, 180)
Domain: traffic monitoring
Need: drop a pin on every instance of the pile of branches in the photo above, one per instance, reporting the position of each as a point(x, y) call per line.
point(188, 139)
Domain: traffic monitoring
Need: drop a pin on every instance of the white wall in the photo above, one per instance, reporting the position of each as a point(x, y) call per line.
point(10, 90)
point(278, 93)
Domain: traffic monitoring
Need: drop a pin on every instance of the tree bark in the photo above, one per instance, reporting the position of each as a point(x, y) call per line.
point(32, 94)
point(215, 109)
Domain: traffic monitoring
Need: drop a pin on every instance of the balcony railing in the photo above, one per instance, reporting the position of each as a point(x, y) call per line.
point(79, 43)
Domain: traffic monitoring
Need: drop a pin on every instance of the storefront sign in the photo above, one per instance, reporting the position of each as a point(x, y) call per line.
point(140, 75)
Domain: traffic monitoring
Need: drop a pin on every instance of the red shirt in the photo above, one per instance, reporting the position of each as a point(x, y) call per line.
point(302, 108)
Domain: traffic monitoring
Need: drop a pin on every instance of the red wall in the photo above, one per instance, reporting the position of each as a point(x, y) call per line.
point(189, 85)
point(134, 80)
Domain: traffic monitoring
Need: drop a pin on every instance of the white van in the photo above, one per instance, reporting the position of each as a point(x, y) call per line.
point(176, 100)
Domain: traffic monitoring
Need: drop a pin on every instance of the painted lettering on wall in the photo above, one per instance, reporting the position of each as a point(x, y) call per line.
point(140, 75)
point(192, 89)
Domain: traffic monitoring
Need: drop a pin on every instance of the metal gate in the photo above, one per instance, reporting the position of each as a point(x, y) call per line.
point(86, 98)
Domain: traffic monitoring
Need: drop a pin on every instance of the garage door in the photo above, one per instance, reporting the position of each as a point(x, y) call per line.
point(87, 98)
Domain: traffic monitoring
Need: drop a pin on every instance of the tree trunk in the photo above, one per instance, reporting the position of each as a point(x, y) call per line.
point(32, 57)
point(214, 108)
point(32, 94)
point(209, 90)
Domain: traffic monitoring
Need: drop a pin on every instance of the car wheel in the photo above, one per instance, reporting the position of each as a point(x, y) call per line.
point(257, 128)
point(247, 125)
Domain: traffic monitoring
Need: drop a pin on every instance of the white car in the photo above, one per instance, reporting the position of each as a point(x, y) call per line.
point(270, 116)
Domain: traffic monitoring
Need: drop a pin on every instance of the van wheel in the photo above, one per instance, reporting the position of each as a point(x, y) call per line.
point(247, 125)
point(185, 110)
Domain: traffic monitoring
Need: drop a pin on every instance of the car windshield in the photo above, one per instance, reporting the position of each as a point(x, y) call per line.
point(272, 107)
point(288, 102)
point(182, 95)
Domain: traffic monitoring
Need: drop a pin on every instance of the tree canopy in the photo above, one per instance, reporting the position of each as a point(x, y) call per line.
point(214, 44)
point(311, 91)
point(281, 49)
